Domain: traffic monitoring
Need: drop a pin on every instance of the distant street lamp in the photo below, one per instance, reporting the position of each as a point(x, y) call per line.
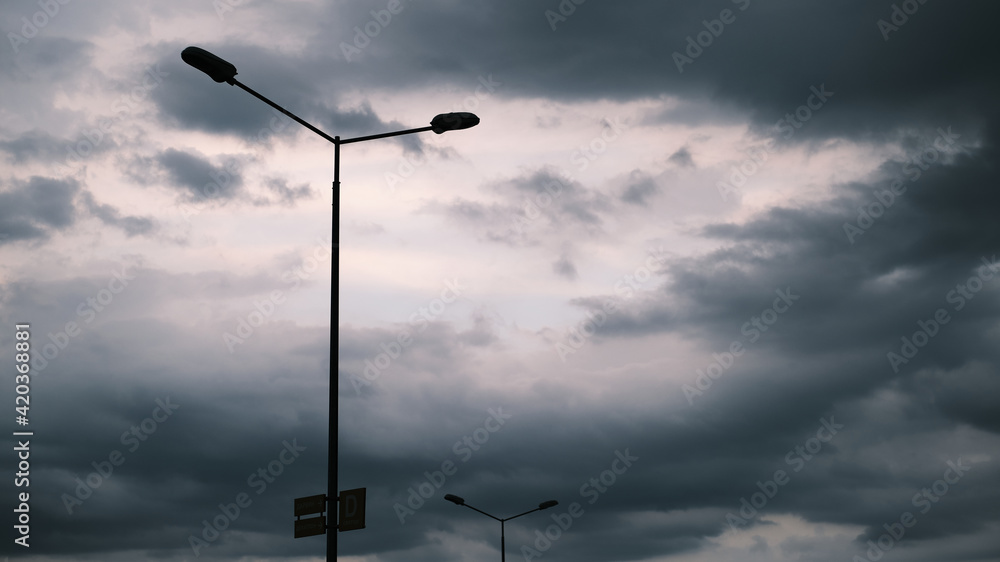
point(223, 71)
point(503, 554)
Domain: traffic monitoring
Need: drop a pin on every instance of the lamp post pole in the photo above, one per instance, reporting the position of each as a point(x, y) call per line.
point(503, 548)
point(222, 71)
point(332, 490)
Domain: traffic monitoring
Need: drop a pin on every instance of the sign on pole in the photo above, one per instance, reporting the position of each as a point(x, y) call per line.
point(352, 510)
point(309, 527)
point(310, 504)
point(313, 525)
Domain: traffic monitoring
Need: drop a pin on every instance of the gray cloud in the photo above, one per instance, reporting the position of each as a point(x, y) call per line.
point(857, 293)
point(526, 210)
point(198, 178)
point(682, 158)
point(193, 100)
point(626, 52)
point(564, 268)
point(109, 215)
point(36, 208)
point(34, 145)
point(639, 189)
point(287, 195)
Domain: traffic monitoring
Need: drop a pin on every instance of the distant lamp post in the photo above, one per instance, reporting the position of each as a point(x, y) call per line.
point(222, 71)
point(503, 554)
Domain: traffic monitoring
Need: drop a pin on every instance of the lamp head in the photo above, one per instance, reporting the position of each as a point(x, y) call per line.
point(548, 504)
point(453, 121)
point(218, 69)
point(454, 499)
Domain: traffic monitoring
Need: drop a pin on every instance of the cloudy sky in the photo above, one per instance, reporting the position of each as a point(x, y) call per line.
point(720, 277)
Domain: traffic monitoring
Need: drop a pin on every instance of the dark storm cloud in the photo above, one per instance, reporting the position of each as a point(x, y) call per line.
point(193, 100)
point(625, 53)
point(36, 208)
point(205, 453)
point(519, 454)
point(191, 462)
point(938, 228)
point(964, 393)
point(548, 449)
point(66, 155)
point(849, 297)
point(839, 304)
point(188, 454)
point(522, 456)
point(698, 112)
point(236, 411)
point(200, 180)
point(936, 67)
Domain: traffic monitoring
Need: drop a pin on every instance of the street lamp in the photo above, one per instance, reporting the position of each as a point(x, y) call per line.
point(503, 551)
point(223, 71)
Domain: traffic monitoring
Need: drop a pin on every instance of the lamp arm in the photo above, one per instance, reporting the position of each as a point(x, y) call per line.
point(285, 111)
point(484, 513)
point(384, 135)
point(525, 513)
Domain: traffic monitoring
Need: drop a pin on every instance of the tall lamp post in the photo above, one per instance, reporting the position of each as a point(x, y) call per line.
point(222, 71)
point(503, 551)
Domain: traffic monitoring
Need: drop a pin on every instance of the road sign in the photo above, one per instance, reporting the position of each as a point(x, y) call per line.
point(309, 527)
point(310, 504)
point(352, 510)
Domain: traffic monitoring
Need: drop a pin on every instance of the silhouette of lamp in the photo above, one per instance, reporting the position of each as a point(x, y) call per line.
point(503, 554)
point(222, 71)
